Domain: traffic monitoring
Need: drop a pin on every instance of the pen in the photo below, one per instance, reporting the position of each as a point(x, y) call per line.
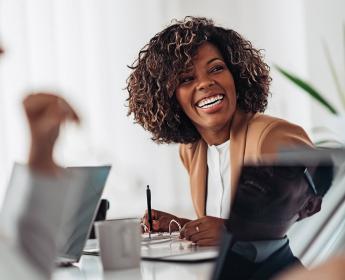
point(149, 212)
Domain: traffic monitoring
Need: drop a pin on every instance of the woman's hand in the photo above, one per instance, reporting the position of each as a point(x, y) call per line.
point(205, 231)
point(161, 220)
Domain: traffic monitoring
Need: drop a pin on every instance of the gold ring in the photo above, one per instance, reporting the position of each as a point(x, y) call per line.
point(197, 228)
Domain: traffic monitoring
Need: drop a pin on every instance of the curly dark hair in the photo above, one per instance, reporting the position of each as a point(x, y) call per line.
point(155, 77)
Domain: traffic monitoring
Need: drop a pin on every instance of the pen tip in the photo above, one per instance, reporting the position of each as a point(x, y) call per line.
point(148, 187)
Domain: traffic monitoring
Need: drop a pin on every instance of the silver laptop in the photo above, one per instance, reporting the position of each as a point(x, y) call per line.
point(76, 228)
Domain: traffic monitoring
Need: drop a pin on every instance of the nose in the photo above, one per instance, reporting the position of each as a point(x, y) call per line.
point(205, 83)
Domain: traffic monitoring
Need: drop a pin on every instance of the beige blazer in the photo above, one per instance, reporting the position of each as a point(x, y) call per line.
point(251, 135)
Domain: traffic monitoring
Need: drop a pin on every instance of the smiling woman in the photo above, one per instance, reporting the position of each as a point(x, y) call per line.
point(204, 86)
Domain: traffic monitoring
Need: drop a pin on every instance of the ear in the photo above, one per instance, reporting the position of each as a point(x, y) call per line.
point(312, 206)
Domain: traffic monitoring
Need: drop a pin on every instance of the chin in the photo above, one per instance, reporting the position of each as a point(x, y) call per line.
point(217, 123)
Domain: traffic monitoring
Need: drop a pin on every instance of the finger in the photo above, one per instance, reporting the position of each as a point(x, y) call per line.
point(144, 224)
point(193, 223)
point(36, 103)
point(182, 232)
point(186, 228)
point(66, 110)
point(145, 219)
point(192, 228)
point(38, 99)
point(154, 213)
point(207, 242)
point(190, 225)
point(156, 225)
point(203, 235)
point(194, 235)
point(143, 227)
point(154, 218)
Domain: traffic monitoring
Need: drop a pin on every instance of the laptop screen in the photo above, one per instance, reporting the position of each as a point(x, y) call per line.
point(79, 219)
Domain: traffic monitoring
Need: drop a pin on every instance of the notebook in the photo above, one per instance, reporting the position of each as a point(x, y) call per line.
point(164, 247)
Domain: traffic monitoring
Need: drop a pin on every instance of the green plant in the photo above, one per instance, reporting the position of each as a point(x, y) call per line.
point(310, 89)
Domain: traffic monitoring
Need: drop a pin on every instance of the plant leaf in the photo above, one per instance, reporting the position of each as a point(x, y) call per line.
point(307, 88)
point(334, 74)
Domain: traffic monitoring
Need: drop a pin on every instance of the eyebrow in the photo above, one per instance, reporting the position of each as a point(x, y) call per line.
point(208, 62)
point(213, 59)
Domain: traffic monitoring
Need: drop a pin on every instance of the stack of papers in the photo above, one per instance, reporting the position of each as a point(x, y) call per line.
point(170, 248)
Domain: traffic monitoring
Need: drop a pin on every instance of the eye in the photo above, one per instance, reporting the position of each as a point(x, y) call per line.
point(186, 80)
point(217, 68)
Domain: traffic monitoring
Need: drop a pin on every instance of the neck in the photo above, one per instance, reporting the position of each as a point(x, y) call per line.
point(251, 231)
point(215, 136)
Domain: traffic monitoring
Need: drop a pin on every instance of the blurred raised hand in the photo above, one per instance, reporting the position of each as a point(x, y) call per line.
point(45, 113)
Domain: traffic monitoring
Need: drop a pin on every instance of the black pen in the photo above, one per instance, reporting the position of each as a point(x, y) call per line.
point(149, 211)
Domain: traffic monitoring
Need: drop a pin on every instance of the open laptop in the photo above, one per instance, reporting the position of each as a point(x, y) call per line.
point(77, 226)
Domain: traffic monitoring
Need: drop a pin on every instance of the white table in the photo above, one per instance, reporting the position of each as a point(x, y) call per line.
point(90, 267)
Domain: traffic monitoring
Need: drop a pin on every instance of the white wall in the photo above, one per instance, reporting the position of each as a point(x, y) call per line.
point(80, 48)
point(274, 26)
point(328, 26)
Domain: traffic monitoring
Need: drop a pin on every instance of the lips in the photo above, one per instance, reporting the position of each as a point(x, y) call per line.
point(210, 101)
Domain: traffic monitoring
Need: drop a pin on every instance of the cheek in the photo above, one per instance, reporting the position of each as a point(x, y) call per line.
point(228, 85)
point(233, 99)
point(290, 204)
point(183, 100)
point(232, 91)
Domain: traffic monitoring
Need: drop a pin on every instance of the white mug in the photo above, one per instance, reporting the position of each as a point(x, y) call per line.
point(119, 243)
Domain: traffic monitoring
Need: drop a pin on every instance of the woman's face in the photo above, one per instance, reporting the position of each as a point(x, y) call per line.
point(206, 90)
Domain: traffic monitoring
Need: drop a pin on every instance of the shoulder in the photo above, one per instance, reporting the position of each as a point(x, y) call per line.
point(262, 122)
point(268, 134)
point(188, 151)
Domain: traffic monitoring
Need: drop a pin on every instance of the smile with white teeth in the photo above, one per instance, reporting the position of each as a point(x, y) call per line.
point(210, 101)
